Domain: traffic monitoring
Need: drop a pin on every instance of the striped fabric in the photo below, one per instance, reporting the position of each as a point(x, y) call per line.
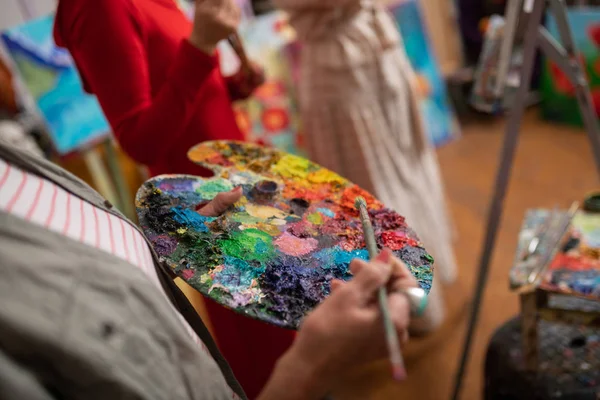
point(44, 203)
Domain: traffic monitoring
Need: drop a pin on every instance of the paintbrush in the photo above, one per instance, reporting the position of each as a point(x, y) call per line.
point(540, 235)
point(398, 369)
point(238, 46)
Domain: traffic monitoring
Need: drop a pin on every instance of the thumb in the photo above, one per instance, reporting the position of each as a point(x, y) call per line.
point(221, 203)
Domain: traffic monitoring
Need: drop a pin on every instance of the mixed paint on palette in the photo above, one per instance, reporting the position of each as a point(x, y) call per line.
point(576, 267)
point(272, 255)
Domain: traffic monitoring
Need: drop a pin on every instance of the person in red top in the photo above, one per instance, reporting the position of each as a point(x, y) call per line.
point(156, 76)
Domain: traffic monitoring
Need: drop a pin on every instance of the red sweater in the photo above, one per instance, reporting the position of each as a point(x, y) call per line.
point(160, 94)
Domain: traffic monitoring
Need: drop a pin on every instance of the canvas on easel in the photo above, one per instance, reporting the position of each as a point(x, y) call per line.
point(73, 117)
point(558, 94)
point(438, 116)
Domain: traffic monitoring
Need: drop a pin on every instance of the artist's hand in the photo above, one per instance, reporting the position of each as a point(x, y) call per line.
point(214, 20)
point(346, 330)
point(221, 203)
point(255, 76)
point(245, 81)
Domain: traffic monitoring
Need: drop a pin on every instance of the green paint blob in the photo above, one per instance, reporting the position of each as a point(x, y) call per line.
point(198, 251)
point(210, 189)
point(219, 294)
point(244, 218)
point(249, 244)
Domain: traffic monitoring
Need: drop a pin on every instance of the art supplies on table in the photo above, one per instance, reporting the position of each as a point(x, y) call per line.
point(568, 259)
point(272, 256)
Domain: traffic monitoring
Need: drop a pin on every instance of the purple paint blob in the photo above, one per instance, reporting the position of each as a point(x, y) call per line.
point(164, 245)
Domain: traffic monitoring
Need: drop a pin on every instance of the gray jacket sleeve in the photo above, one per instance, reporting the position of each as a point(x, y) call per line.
point(17, 383)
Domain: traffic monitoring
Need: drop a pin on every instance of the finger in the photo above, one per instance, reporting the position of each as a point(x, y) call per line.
point(370, 278)
point(399, 311)
point(405, 337)
point(231, 13)
point(401, 277)
point(356, 265)
point(221, 203)
point(336, 284)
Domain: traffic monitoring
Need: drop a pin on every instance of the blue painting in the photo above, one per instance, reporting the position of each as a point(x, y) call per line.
point(74, 118)
point(438, 115)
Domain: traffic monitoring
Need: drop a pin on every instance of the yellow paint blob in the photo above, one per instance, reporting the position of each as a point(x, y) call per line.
point(291, 166)
point(269, 229)
point(325, 176)
point(241, 202)
point(202, 153)
point(264, 212)
point(204, 278)
point(181, 231)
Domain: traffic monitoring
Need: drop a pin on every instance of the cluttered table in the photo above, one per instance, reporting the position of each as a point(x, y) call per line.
point(556, 273)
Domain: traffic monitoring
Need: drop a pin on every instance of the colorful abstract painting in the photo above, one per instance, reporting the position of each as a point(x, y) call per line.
point(558, 94)
point(575, 269)
point(438, 116)
point(270, 117)
point(73, 117)
point(272, 256)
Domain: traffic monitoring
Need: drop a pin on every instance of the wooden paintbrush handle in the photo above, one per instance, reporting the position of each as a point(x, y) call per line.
point(238, 46)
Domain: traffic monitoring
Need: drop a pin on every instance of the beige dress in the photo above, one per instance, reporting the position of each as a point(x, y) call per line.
point(360, 114)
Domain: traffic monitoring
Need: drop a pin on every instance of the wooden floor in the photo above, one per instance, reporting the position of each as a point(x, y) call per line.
point(553, 166)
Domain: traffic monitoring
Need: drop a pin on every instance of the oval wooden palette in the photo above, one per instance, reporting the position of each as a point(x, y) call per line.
point(272, 256)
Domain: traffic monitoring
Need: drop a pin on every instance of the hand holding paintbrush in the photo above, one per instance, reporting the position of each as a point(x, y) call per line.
point(346, 330)
point(250, 75)
point(216, 20)
point(415, 296)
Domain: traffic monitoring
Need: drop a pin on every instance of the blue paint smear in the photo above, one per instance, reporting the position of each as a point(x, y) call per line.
point(191, 218)
point(338, 259)
point(327, 212)
point(237, 274)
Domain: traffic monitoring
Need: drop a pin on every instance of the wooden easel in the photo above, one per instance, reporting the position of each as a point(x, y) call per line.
point(536, 36)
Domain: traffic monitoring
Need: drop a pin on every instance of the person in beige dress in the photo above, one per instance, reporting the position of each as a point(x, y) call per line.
point(359, 110)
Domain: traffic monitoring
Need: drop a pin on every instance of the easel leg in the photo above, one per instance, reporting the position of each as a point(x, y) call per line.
point(99, 174)
point(506, 161)
point(529, 330)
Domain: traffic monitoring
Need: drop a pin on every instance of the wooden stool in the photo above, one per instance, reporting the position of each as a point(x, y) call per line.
point(569, 364)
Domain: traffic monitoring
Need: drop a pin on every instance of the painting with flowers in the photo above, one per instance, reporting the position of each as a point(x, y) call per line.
point(558, 94)
point(270, 116)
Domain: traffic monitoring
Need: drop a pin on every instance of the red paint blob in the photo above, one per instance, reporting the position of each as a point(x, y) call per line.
point(393, 240)
point(387, 219)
